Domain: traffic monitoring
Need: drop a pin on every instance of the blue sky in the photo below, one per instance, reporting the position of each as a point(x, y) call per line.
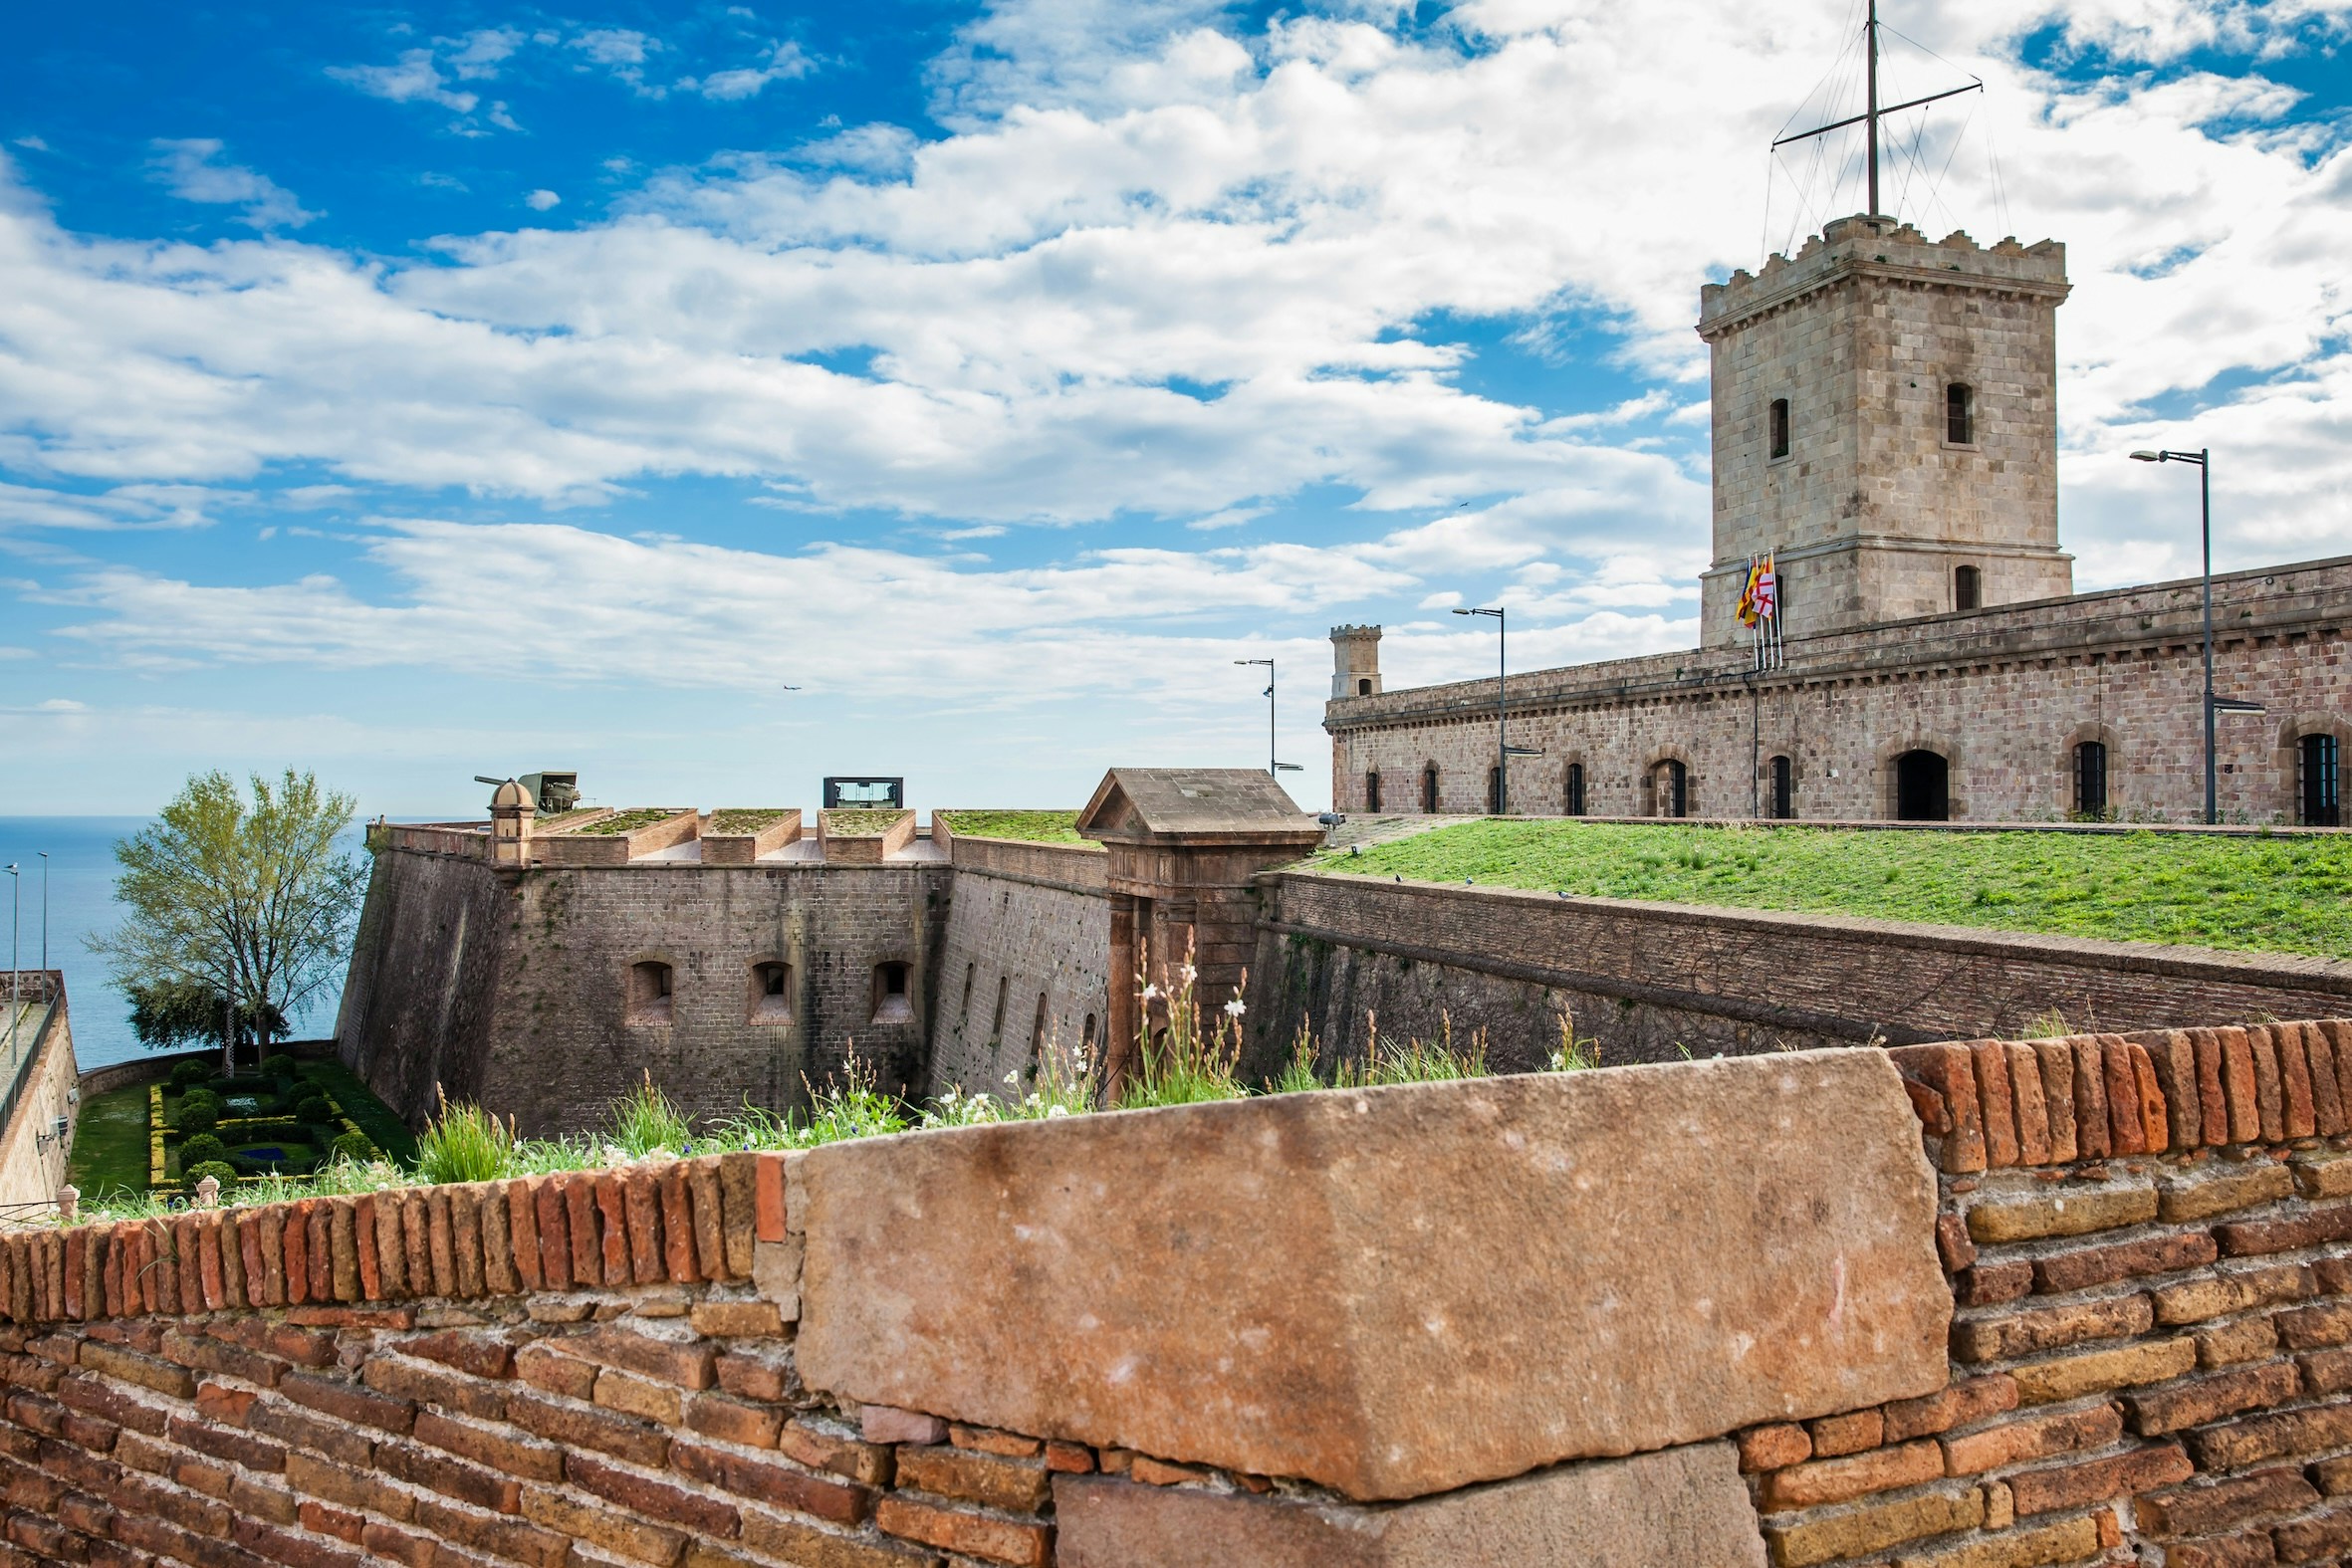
point(417, 391)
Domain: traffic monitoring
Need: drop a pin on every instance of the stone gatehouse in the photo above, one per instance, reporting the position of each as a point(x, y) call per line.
point(1885, 426)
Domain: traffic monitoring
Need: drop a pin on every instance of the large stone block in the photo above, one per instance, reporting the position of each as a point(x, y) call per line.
point(1684, 1506)
point(1396, 1291)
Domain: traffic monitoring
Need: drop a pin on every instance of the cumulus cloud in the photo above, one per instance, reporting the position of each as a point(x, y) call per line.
point(192, 170)
point(542, 200)
point(1161, 270)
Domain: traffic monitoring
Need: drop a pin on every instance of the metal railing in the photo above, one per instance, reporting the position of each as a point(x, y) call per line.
point(23, 1036)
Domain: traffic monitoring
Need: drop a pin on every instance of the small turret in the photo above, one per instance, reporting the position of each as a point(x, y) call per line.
point(511, 811)
point(1356, 661)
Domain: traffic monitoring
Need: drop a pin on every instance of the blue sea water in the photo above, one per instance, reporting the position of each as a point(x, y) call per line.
point(80, 902)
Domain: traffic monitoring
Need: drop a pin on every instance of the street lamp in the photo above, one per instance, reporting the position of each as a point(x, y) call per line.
point(1503, 750)
point(16, 979)
point(2205, 489)
point(1273, 768)
point(44, 911)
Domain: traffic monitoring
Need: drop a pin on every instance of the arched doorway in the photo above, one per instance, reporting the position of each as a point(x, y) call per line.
point(1923, 787)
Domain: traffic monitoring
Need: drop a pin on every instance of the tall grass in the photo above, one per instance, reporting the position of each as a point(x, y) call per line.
point(465, 1143)
point(1186, 1054)
point(646, 1121)
point(1182, 1061)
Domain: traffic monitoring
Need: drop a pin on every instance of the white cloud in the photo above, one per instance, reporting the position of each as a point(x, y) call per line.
point(785, 62)
point(425, 75)
point(542, 200)
point(575, 606)
point(1158, 271)
point(191, 169)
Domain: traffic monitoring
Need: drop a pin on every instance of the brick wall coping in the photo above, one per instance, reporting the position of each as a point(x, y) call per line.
point(2295, 969)
point(1990, 1104)
point(685, 1221)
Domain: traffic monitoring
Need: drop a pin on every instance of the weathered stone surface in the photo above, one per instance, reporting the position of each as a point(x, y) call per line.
point(1685, 1506)
point(1396, 1291)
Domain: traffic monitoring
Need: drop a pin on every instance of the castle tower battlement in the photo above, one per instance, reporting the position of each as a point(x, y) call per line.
point(1885, 422)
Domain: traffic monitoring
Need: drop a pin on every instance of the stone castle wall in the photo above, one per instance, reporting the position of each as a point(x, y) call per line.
point(2002, 694)
point(1986, 1305)
point(512, 989)
point(1028, 934)
point(1651, 982)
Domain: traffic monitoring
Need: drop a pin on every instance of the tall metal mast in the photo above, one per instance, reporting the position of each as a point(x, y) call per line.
point(1872, 113)
point(1870, 43)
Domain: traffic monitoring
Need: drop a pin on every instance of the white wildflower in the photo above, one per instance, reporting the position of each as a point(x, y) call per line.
point(1059, 1110)
point(1151, 992)
point(1234, 1008)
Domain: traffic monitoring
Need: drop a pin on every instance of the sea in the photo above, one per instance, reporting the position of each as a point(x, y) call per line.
point(80, 903)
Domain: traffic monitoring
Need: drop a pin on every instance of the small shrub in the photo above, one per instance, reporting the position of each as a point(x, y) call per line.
point(354, 1146)
point(193, 1097)
point(187, 1074)
point(200, 1148)
point(219, 1170)
point(316, 1109)
point(465, 1143)
point(280, 1067)
point(198, 1116)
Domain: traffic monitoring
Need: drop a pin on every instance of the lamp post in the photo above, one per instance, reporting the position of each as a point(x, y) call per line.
point(15, 987)
point(1501, 708)
point(1273, 768)
point(2205, 489)
point(44, 911)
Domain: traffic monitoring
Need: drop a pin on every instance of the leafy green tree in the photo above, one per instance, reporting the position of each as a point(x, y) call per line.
point(236, 894)
point(170, 1011)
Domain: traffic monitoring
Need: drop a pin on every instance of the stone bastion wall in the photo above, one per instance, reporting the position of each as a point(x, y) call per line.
point(1648, 982)
point(1976, 1305)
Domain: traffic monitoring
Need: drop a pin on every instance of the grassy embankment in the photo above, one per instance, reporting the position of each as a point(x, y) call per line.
point(2255, 893)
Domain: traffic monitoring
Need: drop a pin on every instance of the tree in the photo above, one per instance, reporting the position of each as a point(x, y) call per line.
point(170, 1012)
point(236, 897)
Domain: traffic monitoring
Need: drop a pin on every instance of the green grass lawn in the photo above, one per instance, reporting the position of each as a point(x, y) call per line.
point(1043, 827)
point(109, 1152)
point(375, 1118)
point(2279, 895)
point(110, 1142)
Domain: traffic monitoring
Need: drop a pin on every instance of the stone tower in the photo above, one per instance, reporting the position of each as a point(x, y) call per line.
point(1356, 661)
point(1886, 422)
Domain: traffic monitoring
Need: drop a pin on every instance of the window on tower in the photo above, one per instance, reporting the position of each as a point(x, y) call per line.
point(1967, 588)
point(1779, 427)
point(1960, 414)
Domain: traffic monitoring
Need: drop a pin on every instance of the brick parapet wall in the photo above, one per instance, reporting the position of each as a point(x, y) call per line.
point(2148, 1363)
point(2146, 1238)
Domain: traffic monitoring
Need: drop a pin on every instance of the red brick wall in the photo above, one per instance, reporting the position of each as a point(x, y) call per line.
point(2149, 1239)
point(2146, 1238)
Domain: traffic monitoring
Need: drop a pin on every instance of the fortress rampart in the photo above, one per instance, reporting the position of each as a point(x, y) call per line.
point(1981, 1305)
point(2003, 695)
point(1648, 982)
